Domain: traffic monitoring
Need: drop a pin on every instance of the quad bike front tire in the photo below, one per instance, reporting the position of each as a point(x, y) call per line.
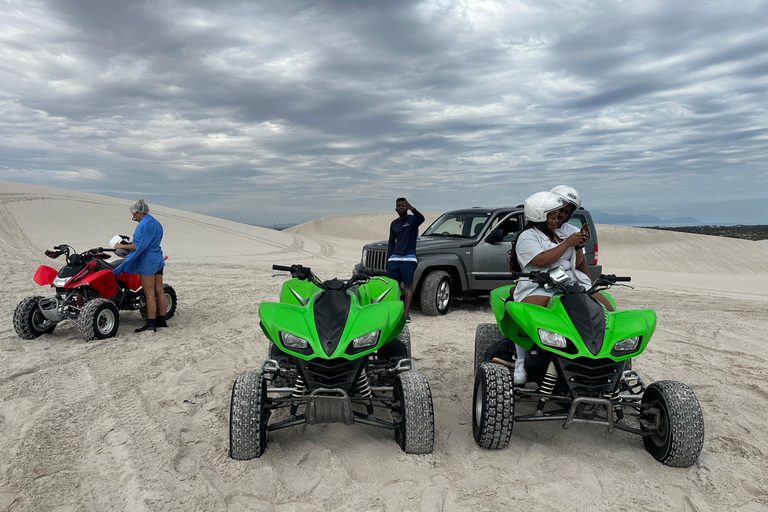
point(248, 416)
point(413, 404)
point(493, 406)
point(99, 319)
point(29, 322)
point(486, 335)
point(680, 437)
point(170, 300)
point(405, 339)
point(436, 293)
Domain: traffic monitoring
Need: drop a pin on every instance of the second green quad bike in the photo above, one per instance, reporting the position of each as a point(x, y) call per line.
point(339, 351)
point(579, 357)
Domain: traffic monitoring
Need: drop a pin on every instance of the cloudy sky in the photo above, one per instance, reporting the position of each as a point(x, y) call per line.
point(284, 111)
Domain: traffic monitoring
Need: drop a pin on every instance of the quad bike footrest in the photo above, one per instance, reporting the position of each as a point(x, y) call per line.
point(329, 405)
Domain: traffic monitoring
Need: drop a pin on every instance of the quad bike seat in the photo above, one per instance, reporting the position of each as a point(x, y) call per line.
point(108, 265)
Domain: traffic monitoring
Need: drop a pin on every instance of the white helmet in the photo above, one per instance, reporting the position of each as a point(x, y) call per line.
point(118, 239)
point(569, 194)
point(540, 204)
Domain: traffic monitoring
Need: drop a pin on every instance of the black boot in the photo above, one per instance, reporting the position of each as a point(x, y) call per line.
point(150, 324)
point(161, 321)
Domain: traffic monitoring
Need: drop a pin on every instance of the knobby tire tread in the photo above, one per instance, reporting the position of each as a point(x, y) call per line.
point(495, 429)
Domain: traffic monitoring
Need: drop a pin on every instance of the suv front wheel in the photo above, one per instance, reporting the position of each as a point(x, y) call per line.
point(436, 293)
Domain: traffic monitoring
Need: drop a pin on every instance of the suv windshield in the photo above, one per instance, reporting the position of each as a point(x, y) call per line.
point(458, 224)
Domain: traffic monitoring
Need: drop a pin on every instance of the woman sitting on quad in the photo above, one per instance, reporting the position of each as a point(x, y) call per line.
point(542, 247)
point(146, 259)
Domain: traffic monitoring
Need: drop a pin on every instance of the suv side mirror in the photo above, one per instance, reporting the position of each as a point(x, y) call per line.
point(497, 235)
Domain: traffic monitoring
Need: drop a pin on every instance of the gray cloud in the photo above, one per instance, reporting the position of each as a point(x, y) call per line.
point(286, 111)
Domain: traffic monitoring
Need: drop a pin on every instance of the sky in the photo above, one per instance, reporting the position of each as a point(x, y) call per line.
point(285, 111)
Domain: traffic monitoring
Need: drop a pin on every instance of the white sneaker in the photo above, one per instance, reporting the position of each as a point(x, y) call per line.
point(520, 377)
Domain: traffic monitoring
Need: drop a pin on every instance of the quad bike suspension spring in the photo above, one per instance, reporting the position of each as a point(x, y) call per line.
point(80, 301)
point(550, 379)
point(299, 391)
point(616, 395)
point(547, 386)
point(363, 385)
point(301, 388)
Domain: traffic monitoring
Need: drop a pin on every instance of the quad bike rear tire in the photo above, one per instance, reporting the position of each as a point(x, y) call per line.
point(29, 322)
point(413, 404)
point(248, 416)
point(99, 319)
point(493, 406)
point(436, 293)
point(680, 438)
point(486, 335)
point(170, 299)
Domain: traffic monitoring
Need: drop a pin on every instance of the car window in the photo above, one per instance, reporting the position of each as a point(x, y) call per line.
point(577, 221)
point(459, 224)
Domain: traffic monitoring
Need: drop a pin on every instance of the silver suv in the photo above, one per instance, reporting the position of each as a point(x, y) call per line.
point(462, 245)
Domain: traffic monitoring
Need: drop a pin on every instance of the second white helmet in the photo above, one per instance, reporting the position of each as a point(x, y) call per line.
point(538, 205)
point(569, 194)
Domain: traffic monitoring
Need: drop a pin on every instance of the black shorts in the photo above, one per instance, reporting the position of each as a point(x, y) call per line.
point(159, 272)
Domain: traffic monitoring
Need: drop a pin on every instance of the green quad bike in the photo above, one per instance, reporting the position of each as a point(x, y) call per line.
point(579, 355)
point(338, 351)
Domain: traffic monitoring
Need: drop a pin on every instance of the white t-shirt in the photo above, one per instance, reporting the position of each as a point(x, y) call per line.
point(531, 243)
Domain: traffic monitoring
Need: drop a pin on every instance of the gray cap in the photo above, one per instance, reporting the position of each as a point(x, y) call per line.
point(140, 206)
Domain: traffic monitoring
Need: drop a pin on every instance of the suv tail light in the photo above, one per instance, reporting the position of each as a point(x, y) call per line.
point(594, 256)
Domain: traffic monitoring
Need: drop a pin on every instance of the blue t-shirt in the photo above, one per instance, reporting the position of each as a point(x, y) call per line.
point(148, 256)
point(403, 234)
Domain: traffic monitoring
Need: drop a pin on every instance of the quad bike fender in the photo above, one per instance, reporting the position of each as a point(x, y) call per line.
point(621, 325)
point(498, 300)
point(103, 282)
point(297, 292)
point(610, 299)
point(380, 289)
point(521, 323)
point(45, 275)
point(386, 317)
point(133, 281)
point(292, 319)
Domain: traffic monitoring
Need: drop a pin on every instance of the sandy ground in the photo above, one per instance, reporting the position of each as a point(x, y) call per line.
point(140, 421)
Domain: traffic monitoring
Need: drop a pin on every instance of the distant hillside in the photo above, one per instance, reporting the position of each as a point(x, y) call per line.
point(628, 219)
point(759, 232)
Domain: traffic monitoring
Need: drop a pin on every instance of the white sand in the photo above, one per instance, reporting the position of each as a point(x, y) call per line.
point(140, 421)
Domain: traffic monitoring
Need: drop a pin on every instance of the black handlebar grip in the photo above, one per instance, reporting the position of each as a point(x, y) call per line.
point(627, 279)
point(282, 267)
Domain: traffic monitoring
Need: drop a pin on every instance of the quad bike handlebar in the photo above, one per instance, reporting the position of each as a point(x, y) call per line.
point(305, 273)
point(604, 281)
point(73, 256)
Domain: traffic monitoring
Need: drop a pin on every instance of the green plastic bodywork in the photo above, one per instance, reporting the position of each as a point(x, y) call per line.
point(375, 306)
point(520, 323)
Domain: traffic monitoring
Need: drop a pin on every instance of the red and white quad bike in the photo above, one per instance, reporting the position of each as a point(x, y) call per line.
point(87, 294)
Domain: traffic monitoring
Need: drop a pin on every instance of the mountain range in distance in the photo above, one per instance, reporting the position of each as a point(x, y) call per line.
point(628, 219)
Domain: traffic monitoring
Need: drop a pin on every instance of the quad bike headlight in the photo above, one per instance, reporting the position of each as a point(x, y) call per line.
point(627, 345)
point(551, 339)
point(365, 253)
point(293, 341)
point(59, 282)
point(367, 340)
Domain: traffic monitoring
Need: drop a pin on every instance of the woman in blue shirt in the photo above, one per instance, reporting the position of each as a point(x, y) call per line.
point(146, 259)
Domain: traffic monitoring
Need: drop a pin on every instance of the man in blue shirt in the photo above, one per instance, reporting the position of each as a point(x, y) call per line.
point(401, 251)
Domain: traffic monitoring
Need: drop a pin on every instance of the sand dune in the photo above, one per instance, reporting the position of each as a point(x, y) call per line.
point(140, 421)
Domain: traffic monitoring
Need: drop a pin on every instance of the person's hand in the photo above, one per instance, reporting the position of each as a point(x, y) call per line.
point(577, 239)
point(407, 205)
